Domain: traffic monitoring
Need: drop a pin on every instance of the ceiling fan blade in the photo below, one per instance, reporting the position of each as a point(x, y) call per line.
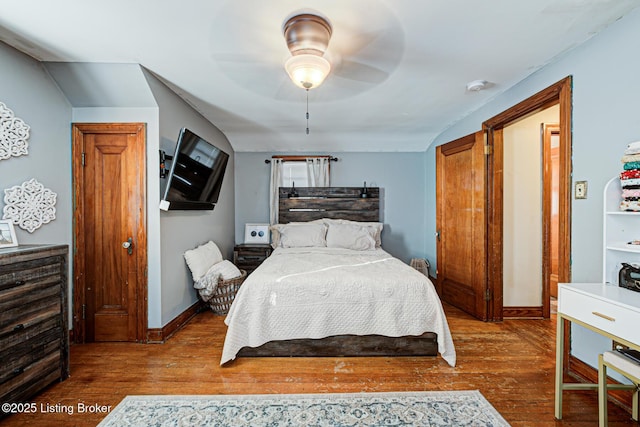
point(287, 91)
point(236, 58)
point(368, 56)
point(353, 70)
point(355, 42)
point(265, 77)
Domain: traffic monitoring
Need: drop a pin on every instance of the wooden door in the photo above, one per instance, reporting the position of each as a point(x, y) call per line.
point(461, 224)
point(551, 195)
point(559, 93)
point(110, 213)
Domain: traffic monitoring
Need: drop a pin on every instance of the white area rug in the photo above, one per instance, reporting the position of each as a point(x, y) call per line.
point(432, 408)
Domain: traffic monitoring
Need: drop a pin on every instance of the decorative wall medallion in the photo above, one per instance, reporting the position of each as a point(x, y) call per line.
point(14, 133)
point(29, 205)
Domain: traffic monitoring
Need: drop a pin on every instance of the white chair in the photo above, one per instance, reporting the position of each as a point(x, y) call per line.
point(625, 367)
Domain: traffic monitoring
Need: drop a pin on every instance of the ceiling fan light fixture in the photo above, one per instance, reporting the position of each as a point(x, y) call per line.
point(307, 71)
point(307, 33)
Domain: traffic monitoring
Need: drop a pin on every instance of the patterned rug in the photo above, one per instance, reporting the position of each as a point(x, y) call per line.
point(432, 408)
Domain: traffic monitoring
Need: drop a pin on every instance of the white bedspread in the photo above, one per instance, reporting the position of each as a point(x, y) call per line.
point(301, 293)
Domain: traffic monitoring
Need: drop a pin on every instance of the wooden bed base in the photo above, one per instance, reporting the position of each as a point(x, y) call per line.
point(348, 346)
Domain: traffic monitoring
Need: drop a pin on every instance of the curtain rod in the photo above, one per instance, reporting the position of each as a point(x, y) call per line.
point(301, 158)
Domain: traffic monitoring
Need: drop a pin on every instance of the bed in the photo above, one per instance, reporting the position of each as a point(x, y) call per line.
point(337, 294)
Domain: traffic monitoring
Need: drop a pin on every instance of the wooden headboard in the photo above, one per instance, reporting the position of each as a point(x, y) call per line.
point(328, 202)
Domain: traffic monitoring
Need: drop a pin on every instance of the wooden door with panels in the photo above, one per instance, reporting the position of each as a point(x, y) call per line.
point(110, 255)
point(461, 224)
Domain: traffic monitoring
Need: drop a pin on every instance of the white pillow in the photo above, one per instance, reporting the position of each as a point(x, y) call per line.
point(225, 269)
point(275, 230)
point(302, 235)
point(374, 228)
point(350, 236)
point(202, 258)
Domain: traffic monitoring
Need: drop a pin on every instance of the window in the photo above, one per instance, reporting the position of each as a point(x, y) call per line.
point(303, 171)
point(295, 171)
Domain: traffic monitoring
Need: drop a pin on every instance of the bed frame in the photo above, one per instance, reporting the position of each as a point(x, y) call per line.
point(328, 202)
point(309, 203)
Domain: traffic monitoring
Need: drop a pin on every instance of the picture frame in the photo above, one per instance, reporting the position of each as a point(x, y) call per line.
point(8, 237)
point(256, 233)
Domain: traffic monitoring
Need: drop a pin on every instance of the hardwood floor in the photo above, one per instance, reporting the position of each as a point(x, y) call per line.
point(512, 363)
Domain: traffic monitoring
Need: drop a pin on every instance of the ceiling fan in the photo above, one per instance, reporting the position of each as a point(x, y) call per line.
point(358, 56)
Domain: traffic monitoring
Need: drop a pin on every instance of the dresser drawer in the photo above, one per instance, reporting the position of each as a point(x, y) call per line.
point(249, 256)
point(26, 348)
point(605, 315)
point(21, 273)
point(23, 305)
point(37, 375)
point(250, 263)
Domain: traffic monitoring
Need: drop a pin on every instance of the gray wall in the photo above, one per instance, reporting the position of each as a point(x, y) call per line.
point(170, 287)
point(50, 96)
point(183, 230)
point(129, 100)
point(605, 117)
point(135, 95)
point(27, 89)
point(399, 176)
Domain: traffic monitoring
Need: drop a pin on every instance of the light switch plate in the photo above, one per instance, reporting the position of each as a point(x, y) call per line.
point(580, 190)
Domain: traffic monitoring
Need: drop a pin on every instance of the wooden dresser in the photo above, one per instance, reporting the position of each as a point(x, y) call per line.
point(248, 256)
point(34, 332)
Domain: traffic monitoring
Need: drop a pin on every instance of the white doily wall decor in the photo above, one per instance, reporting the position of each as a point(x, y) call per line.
point(14, 133)
point(29, 205)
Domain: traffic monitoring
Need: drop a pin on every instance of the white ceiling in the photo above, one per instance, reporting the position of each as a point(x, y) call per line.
point(399, 66)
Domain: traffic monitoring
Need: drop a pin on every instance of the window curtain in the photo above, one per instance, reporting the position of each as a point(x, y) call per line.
point(318, 171)
point(275, 183)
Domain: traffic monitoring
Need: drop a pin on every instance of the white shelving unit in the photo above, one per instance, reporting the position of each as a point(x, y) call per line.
point(619, 228)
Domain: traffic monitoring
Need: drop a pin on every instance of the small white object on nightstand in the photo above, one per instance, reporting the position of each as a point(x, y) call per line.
point(256, 233)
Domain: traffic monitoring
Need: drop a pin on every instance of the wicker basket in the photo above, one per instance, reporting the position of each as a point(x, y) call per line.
point(225, 293)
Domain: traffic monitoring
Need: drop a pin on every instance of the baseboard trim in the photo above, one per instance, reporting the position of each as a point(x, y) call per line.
point(522, 312)
point(585, 373)
point(160, 335)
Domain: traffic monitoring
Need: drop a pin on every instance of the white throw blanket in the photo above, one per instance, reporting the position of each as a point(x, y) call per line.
point(314, 293)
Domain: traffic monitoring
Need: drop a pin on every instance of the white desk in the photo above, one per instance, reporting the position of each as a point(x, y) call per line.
point(608, 310)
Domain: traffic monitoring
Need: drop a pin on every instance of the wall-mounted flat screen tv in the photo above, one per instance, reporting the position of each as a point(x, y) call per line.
point(196, 174)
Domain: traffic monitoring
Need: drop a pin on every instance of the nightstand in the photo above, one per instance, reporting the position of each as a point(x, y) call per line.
point(248, 256)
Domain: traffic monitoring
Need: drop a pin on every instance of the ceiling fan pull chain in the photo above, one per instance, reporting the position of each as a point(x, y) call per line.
point(307, 111)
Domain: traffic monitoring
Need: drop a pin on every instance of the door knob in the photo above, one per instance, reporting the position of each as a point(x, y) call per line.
point(128, 245)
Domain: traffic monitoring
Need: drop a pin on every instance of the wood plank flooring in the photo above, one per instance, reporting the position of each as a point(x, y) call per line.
point(512, 363)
